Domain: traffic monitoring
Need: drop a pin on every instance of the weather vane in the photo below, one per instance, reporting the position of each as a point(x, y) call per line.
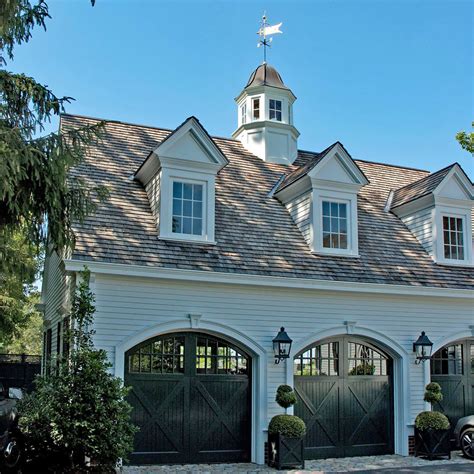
point(264, 31)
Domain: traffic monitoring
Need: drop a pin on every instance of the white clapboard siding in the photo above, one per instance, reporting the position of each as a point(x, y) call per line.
point(55, 296)
point(127, 306)
point(153, 191)
point(300, 211)
point(421, 225)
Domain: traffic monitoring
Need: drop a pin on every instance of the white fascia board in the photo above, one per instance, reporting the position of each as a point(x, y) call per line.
point(262, 281)
point(326, 185)
point(252, 125)
point(149, 169)
point(416, 205)
point(186, 165)
point(293, 190)
point(264, 90)
point(338, 152)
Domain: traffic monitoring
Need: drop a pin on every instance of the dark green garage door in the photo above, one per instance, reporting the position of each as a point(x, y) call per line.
point(345, 396)
point(191, 400)
point(453, 368)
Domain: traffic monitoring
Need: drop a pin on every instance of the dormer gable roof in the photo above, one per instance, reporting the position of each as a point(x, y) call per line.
point(433, 184)
point(189, 145)
point(320, 167)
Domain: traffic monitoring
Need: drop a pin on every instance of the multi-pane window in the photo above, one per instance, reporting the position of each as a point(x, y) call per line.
point(275, 110)
point(335, 225)
point(256, 109)
point(319, 360)
point(448, 360)
point(187, 208)
point(453, 238)
point(162, 356)
point(218, 357)
point(363, 360)
point(243, 113)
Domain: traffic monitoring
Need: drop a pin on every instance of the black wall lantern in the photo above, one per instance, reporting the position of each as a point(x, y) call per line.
point(281, 346)
point(423, 347)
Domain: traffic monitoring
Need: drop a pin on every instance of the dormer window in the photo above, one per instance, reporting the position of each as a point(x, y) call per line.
point(275, 110)
point(256, 108)
point(334, 225)
point(179, 177)
point(453, 235)
point(187, 208)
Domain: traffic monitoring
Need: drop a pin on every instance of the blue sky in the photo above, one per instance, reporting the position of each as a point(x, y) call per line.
point(391, 79)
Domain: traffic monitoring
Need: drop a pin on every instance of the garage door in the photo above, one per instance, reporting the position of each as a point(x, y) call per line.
point(345, 396)
point(453, 368)
point(191, 400)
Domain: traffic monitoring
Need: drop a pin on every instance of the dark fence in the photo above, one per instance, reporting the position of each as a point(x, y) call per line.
point(19, 370)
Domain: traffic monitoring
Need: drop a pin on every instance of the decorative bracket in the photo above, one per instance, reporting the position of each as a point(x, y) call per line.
point(194, 320)
point(350, 326)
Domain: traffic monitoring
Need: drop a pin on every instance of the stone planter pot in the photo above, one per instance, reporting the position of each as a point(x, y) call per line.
point(285, 453)
point(432, 443)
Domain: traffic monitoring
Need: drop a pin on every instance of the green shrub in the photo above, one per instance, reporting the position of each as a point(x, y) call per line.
point(433, 393)
point(290, 426)
point(364, 368)
point(431, 420)
point(78, 409)
point(285, 396)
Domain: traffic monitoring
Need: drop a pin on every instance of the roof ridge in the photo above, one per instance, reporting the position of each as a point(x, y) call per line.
point(134, 124)
point(392, 165)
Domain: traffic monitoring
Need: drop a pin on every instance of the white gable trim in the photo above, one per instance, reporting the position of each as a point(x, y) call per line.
point(162, 155)
point(72, 265)
point(460, 178)
point(345, 161)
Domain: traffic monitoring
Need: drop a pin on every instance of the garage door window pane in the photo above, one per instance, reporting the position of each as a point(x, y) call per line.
point(365, 360)
point(215, 357)
point(165, 355)
point(448, 360)
point(320, 360)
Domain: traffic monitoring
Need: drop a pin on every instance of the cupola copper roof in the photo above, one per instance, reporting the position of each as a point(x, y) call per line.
point(266, 75)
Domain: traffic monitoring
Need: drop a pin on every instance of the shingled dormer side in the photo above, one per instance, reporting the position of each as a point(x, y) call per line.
point(437, 210)
point(321, 197)
point(179, 178)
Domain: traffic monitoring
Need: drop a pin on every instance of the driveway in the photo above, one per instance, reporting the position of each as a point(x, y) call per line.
point(386, 464)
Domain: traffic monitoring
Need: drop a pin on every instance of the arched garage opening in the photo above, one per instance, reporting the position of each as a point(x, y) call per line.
point(345, 392)
point(191, 398)
point(452, 366)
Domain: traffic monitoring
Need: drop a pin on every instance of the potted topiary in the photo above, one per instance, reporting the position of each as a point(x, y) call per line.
point(432, 428)
point(286, 434)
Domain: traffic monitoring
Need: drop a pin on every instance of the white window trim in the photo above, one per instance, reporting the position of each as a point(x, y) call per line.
point(243, 113)
point(320, 195)
point(261, 108)
point(438, 235)
point(166, 205)
point(281, 110)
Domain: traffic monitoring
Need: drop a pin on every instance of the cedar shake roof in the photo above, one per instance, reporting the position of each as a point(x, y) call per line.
point(419, 188)
point(255, 234)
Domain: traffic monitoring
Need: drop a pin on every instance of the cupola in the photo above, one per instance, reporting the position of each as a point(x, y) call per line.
point(265, 117)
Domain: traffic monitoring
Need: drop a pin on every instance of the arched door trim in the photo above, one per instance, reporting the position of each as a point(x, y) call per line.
point(259, 368)
point(400, 373)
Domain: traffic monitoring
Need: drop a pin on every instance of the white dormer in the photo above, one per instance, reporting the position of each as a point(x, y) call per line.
point(179, 177)
point(437, 209)
point(322, 199)
point(265, 117)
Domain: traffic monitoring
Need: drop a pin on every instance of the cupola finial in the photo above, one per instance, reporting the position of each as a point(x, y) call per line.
point(264, 31)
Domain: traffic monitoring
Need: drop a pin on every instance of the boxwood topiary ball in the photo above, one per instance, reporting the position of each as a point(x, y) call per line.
point(290, 426)
point(433, 393)
point(285, 396)
point(431, 420)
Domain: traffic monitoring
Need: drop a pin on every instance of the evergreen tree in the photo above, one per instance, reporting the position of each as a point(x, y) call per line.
point(39, 198)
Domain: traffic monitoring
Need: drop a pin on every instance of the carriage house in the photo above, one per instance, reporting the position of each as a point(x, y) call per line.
point(206, 246)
